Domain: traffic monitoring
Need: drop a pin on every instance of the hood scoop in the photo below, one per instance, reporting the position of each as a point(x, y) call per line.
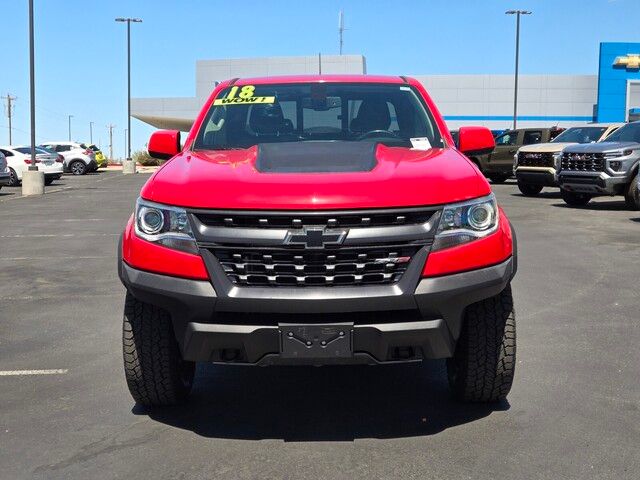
point(316, 157)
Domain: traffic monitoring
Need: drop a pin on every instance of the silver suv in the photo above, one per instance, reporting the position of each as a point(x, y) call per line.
point(5, 175)
point(78, 158)
point(605, 168)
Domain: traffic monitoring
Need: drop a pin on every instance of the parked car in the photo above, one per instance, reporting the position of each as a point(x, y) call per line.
point(101, 160)
point(78, 158)
point(318, 220)
point(5, 176)
point(536, 166)
point(605, 168)
point(19, 158)
point(498, 164)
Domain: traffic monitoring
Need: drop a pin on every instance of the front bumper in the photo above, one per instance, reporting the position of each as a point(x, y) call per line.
point(408, 321)
point(543, 176)
point(595, 183)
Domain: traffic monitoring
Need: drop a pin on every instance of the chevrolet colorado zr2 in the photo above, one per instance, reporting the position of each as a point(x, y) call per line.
point(318, 220)
point(604, 168)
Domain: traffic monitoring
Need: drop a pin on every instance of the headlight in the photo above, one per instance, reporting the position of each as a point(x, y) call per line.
point(467, 221)
point(166, 225)
point(557, 158)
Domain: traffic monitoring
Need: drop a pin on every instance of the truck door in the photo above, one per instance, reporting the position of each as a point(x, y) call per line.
point(501, 158)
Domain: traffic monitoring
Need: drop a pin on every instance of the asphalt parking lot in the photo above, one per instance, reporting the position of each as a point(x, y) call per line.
point(574, 411)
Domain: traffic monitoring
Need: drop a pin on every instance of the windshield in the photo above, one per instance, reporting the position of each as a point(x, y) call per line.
point(243, 116)
point(629, 133)
point(94, 148)
point(580, 135)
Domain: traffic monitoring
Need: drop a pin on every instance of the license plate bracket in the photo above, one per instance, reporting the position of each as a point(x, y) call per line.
point(316, 341)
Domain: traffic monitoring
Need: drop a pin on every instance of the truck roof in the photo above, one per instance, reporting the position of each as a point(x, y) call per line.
point(321, 79)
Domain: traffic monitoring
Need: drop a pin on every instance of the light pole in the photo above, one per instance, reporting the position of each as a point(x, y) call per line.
point(517, 13)
point(91, 133)
point(70, 117)
point(129, 20)
point(125, 139)
point(32, 179)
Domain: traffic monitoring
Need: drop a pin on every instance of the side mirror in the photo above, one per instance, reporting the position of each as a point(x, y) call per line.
point(164, 144)
point(475, 140)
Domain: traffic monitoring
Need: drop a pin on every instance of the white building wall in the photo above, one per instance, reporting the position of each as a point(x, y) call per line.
point(543, 100)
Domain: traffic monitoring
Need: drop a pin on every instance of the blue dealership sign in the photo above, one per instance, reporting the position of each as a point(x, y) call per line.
point(619, 69)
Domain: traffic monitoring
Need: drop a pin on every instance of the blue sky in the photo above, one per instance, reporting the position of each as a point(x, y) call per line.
point(81, 62)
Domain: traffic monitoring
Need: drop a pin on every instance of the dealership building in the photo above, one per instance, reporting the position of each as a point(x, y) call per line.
point(613, 95)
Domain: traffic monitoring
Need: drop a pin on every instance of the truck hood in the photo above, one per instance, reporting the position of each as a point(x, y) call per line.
point(601, 147)
point(396, 177)
point(545, 147)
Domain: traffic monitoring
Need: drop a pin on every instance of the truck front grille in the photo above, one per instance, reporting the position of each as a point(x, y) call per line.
point(534, 159)
point(340, 266)
point(583, 162)
point(304, 249)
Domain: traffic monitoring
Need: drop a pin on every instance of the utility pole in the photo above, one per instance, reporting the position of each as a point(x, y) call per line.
point(125, 139)
point(517, 13)
point(70, 117)
point(111, 127)
point(91, 133)
point(340, 28)
point(10, 99)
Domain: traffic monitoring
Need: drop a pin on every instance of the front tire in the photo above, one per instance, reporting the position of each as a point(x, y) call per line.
point(529, 190)
point(632, 196)
point(483, 365)
point(155, 371)
point(13, 178)
point(78, 167)
point(575, 199)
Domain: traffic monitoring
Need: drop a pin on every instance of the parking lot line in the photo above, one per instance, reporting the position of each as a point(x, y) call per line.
point(19, 373)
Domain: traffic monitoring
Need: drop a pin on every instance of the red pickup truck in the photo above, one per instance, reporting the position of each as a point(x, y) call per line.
point(318, 220)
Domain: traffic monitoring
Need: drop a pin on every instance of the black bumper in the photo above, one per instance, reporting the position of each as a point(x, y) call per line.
point(420, 318)
point(545, 179)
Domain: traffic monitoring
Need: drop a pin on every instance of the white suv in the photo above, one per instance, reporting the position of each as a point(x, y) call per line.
point(19, 160)
point(78, 158)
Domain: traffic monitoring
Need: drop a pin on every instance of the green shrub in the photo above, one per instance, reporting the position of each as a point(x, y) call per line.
point(143, 158)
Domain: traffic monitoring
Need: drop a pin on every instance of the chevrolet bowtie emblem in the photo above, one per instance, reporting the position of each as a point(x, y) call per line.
point(630, 61)
point(315, 237)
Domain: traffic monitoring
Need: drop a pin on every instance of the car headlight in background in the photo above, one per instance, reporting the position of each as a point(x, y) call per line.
point(557, 159)
point(165, 225)
point(467, 221)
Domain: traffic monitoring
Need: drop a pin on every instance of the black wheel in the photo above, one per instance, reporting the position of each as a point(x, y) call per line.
point(13, 178)
point(529, 190)
point(498, 177)
point(78, 167)
point(155, 371)
point(48, 180)
point(575, 199)
point(483, 366)
point(632, 196)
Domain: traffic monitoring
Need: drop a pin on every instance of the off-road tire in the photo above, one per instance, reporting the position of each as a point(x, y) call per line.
point(632, 195)
point(155, 371)
point(529, 190)
point(78, 167)
point(498, 178)
point(575, 199)
point(483, 365)
point(13, 178)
